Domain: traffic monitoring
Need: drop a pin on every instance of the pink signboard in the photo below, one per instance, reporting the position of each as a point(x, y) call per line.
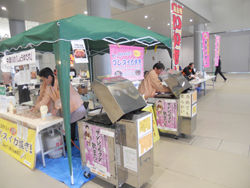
point(205, 49)
point(166, 114)
point(127, 61)
point(217, 50)
point(96, 150)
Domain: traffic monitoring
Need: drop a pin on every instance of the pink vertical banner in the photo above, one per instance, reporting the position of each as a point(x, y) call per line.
point(176, 27)
point(166, 114)
point(205, 49)
point(127, 61)
point(96, 150)
point(217, 50)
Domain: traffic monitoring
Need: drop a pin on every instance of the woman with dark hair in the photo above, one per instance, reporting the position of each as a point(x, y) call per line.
point(50, 96)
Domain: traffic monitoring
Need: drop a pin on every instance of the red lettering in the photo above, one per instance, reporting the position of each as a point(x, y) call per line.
point(176, 56)
point(177, 39)
point(176, 22)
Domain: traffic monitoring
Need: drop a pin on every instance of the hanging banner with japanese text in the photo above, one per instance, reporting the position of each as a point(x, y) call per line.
point(166, 114)
point(217, 50)
point(176, 26)
point(205, 49)
point(79, 51)
point(127, 61)
point(18, 141)
point(21, 58)
point(96, 150)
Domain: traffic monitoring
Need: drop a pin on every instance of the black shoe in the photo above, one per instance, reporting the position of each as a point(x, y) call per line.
point(225, 80)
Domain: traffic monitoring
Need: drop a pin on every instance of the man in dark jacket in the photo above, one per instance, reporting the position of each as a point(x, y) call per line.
point(218, 70)
point(188, 72)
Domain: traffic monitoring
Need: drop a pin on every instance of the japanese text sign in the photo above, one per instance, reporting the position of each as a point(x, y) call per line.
point(127, 61)
point(18, 141)
point(17, 59)
point(176, 26)
point(96, 150)
point(217, 50)
point(166, 114)
point(205, 49)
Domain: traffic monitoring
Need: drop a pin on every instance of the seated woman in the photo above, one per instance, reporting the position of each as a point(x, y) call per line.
point(50, 96)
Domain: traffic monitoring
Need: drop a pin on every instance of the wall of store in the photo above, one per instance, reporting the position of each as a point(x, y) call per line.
point(235, 51)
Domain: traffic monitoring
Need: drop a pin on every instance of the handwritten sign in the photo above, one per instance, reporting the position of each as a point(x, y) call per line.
point(96, 150)
point(176, 26)
point(205, 49)
point(127, 61)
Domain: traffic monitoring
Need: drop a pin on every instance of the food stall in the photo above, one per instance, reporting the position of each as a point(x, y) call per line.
point(123, 130)
point(176, 111)
point(56, 37)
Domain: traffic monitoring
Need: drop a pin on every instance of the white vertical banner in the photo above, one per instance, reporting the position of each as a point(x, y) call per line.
point(176, 26)
point(79, 51)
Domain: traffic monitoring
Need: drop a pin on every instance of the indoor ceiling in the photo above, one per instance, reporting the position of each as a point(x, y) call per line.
point(132, 11)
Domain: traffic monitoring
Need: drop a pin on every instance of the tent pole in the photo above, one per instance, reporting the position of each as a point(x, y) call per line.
point(62, 56)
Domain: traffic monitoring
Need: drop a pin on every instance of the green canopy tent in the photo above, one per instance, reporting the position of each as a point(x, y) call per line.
point(97, 33)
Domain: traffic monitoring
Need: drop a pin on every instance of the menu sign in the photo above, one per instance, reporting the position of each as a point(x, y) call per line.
point(79, 51)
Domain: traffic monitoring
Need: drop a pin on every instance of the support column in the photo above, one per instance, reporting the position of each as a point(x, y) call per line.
point(16, 26)
point(198, 29)
point(100, 8)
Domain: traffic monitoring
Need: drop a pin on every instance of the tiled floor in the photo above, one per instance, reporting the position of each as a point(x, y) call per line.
point(216, 156)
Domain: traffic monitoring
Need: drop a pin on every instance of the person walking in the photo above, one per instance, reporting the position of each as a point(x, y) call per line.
point(218, 70)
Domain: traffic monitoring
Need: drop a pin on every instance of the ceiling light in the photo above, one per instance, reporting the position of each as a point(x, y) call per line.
point(168, 24)
point(149, 27)
point(191, 20)
point(146, 16)
point(3, 8)
point(85, 12)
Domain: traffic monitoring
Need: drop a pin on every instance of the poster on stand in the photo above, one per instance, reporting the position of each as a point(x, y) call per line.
point(96, 150)
point(145, 134)
point(18, 141)
point(176, 26)
point(79, 51)
point(166, 114)
point(217, 50)
point(205, 49)
point(127, 61)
